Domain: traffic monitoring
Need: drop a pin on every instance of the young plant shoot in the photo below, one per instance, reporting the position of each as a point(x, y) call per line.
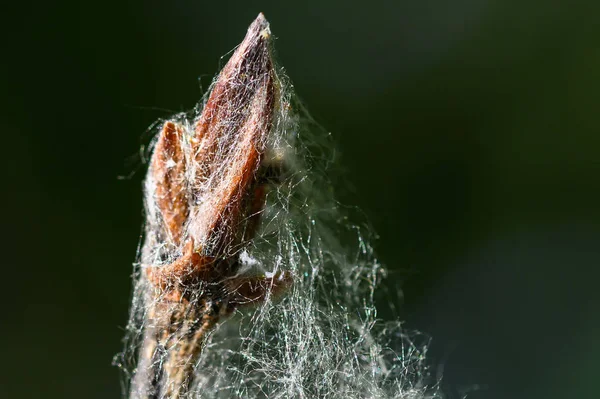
point(252, 280)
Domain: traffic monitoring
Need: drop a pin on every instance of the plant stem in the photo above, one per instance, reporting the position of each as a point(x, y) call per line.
point(172, 344)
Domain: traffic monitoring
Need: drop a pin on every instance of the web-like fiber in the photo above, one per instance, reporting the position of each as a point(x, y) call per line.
point(319, 336)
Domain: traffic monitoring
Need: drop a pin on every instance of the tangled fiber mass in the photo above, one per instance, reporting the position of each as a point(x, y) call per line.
point(252, 281)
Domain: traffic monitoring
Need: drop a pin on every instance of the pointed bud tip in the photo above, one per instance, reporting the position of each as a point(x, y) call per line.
point(261, 19)
point(261, 25)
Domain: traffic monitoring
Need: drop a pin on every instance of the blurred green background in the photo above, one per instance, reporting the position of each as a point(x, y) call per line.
point(469, 136)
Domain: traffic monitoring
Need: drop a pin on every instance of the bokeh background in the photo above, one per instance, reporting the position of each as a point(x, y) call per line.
point(468, 132)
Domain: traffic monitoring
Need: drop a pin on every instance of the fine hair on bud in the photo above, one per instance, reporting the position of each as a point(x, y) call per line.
point(252, 281)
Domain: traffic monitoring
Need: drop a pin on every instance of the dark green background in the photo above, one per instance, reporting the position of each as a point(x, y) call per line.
point(469, 135)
